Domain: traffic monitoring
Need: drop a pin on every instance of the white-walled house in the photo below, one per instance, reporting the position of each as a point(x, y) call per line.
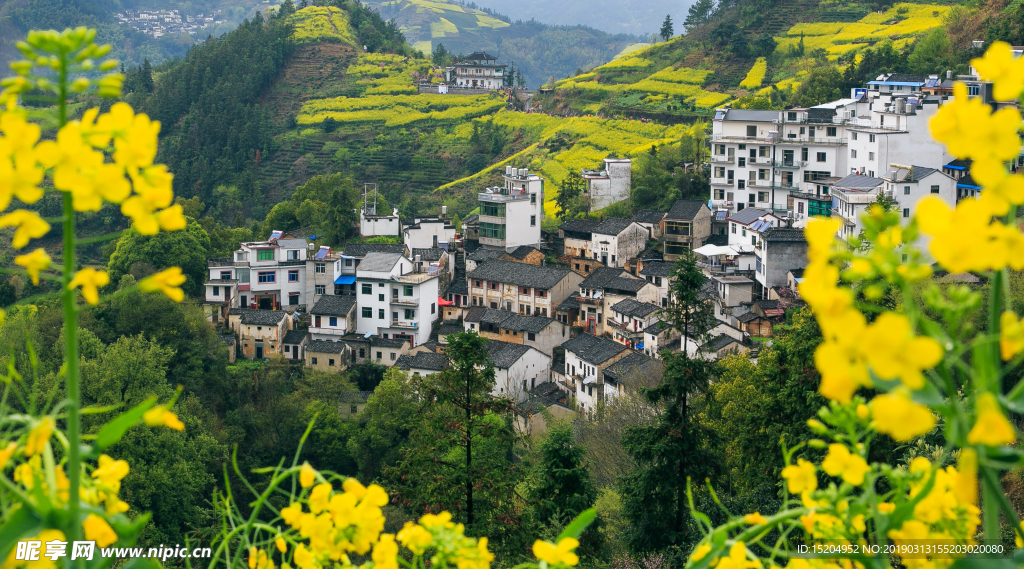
point(908, 187)
point(333, 317)
point(478, 70)
point(628, 320)
point(517, 369)
point(521, 287)
point(537, 332)
point(610, 184)
point(430, 232)
point(586, 356)
point(373, 225)
point(268, 275)
point(393, 300)
point(851, 196)
point(615, 241)
point(511, 215)
point(745, 226)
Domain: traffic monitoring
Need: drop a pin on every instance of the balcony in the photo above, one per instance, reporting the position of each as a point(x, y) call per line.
point(404, 301)
point(722, 158)
point(722, 182)
point(790, 164)
point(783, 186)
point(503, 198)
point(813, 140)
point(405, 324)
point(722, 203)
point(763, 160)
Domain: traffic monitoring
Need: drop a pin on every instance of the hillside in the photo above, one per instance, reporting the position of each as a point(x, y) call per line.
point(540, 51)
point(738, 53)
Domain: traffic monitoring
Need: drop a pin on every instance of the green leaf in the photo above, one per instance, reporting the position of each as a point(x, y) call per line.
point(141, 563)
point(21, 522)
point(575, 529)
point(114, 430)
point(983, 563)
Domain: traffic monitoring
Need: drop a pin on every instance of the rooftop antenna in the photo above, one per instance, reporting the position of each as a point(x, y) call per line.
point(366, 192)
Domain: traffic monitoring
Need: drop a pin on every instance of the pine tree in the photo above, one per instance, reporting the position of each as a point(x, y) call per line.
point(520, 79)
point(666, 28)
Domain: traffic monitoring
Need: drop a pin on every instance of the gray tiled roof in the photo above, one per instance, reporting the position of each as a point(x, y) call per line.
point(449, 328)
point(363, 249)
point(766, 304)
point(658, 269)
point(431, 254)
point(570, 303)
point(379, 262)
point(507, 319)
point(747, 317)
point(601, 276)
point(481, 255)
point(635, 364)
point(719, 342)
point(686, 209)
point(625, 284)
point(749, 115)
point(387, 342)
point(918, 173)
point(261, 317)
point(354, 396)
point(520, 274)
point(522, 251)
point(592, 349)
point(294, 337)
point(331, 305)
point(430, 361)
point(325, 347)
point(505, 354)
point(579, 225)
point(777, 234)
point(859, 182)
point(612, 226)
point(657, 328)
point(459, 286)
point(630, 307)
point(648, 216)
point(748, 215)
point(291, 243)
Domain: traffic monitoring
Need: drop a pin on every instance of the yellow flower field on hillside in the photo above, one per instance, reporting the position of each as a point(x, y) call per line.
point(321, 22)
point(910, 20)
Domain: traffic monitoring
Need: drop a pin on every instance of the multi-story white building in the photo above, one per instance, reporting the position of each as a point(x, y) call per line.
point(910, 186)
point(373, 225)
point(746, 225)
point(269, 275)
point(478, 70)
point(851, 196)
point(609, 185)
point(511, 215)
point(393, 300)
point(430, 232)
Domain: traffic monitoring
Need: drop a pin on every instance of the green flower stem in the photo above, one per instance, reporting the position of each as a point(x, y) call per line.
point(74, 529)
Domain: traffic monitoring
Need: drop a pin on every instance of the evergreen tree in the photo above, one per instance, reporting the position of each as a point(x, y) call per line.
point(689, 310)
point(565, 487)
point(738, 44)
point(666, 28)
point(520, 80)
point(571, 201)
point(8, 293)
point(697, 18)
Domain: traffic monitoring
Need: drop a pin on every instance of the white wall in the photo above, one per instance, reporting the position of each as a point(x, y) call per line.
point(379, 225)
point(423, 237)
point(534, 367)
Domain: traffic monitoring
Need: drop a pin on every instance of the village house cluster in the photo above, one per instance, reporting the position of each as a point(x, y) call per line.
point(158, 23)
point(576, 316)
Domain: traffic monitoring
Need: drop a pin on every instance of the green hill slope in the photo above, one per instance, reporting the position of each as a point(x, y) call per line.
point(538, 50)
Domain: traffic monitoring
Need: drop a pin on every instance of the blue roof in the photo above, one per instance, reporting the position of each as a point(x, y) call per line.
point(904, 83)
point(968, 186)
point(345, 279)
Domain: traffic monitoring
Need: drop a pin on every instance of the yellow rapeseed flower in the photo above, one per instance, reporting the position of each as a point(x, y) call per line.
point(897, 416)
point(966, 486)
point(6, 454)
point(90, 280)
point(966, 239)
point(970, 129)
point(385, 553)
point(1001, 188)
point(800, 477)
point(109, 472)
point(1002, 67)
point(992, 428)
point(280, 544)
point(1011, 335)
point(557, 554)
point(307, 475)
point(887, 507)
point(34, 262)
point(168, 281)
point(893, 351)
point(97, 529)
point(841, 462)
point(755, 519)
point(437, 521)
point(20, 173)
point(737, 558)
point(319, 498)
point(39, 436)
point(701, 552)
point(415, 538)
point(292, 515)
point(27, 224)
point(862, 411)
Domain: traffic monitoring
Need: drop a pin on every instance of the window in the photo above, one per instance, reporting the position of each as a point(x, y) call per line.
point(743, 161)
point(762, 174)
point(790, 116)
point(320, 268)
point(533, 221)
point(216, 291)
point(367, 288)
point(314, 361)
point(830, 131)
point(492, 230)
point(392, 356)
point(380, 298)
point(333, 320)
point(533, 198)
point(380, 355)
point(539, 293)
point(762, 151)
point(264, 254)
point(677, 227)
point(362, 353)
point(719, 195)
point(803, 130)
point(241, 256)
point(762, 196)
point(407, 291)
point(719, 149)
point(871, 137)
point(935, 189)
point(348, 263)
point(293, 255)
point(476, 284)
point(367, 312)
point(973, 90)
point(751, 131)
point(719, 171)
point(733, 227)
point(906, 190)
point(225, 275)
point(803, 153)
point(854, 136)
point(293, 276)
point(330, 361)
point(493, 210)
point(293, 299)
point(267, 277)
point(531, 336)
point(432, 308)
point(821, 157)
point(744, 231)
point(853, 152)
point(871, 155)
point(380, 314)
point(676, 248)
point(410, 314)
point(906, 212)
